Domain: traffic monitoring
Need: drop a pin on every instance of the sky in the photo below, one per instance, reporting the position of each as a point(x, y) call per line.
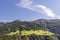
point(29, 10)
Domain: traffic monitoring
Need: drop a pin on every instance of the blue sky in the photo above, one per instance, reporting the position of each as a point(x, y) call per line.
point(28, 10)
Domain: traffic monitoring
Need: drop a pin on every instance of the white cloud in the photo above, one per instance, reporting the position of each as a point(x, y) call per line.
point(58, 17)
point(47, 11)
point(29, 4)
point(25, 4)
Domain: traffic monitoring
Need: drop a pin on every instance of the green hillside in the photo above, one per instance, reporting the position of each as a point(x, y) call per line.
point(32, 30)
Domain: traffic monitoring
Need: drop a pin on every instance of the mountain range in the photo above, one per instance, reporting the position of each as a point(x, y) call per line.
point(52, 25)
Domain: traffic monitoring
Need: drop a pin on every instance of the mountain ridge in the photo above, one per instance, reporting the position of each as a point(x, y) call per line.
point(40, 24)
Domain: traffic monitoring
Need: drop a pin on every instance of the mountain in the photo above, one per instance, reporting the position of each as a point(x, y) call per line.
point(52, 26)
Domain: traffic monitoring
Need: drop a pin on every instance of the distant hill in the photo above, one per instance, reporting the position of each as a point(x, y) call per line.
point(52, 25)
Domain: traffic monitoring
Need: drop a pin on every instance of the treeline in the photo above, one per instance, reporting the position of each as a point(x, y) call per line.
point(29, 37)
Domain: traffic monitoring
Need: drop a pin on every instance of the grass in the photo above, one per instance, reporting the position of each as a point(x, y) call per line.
point(36, 32)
